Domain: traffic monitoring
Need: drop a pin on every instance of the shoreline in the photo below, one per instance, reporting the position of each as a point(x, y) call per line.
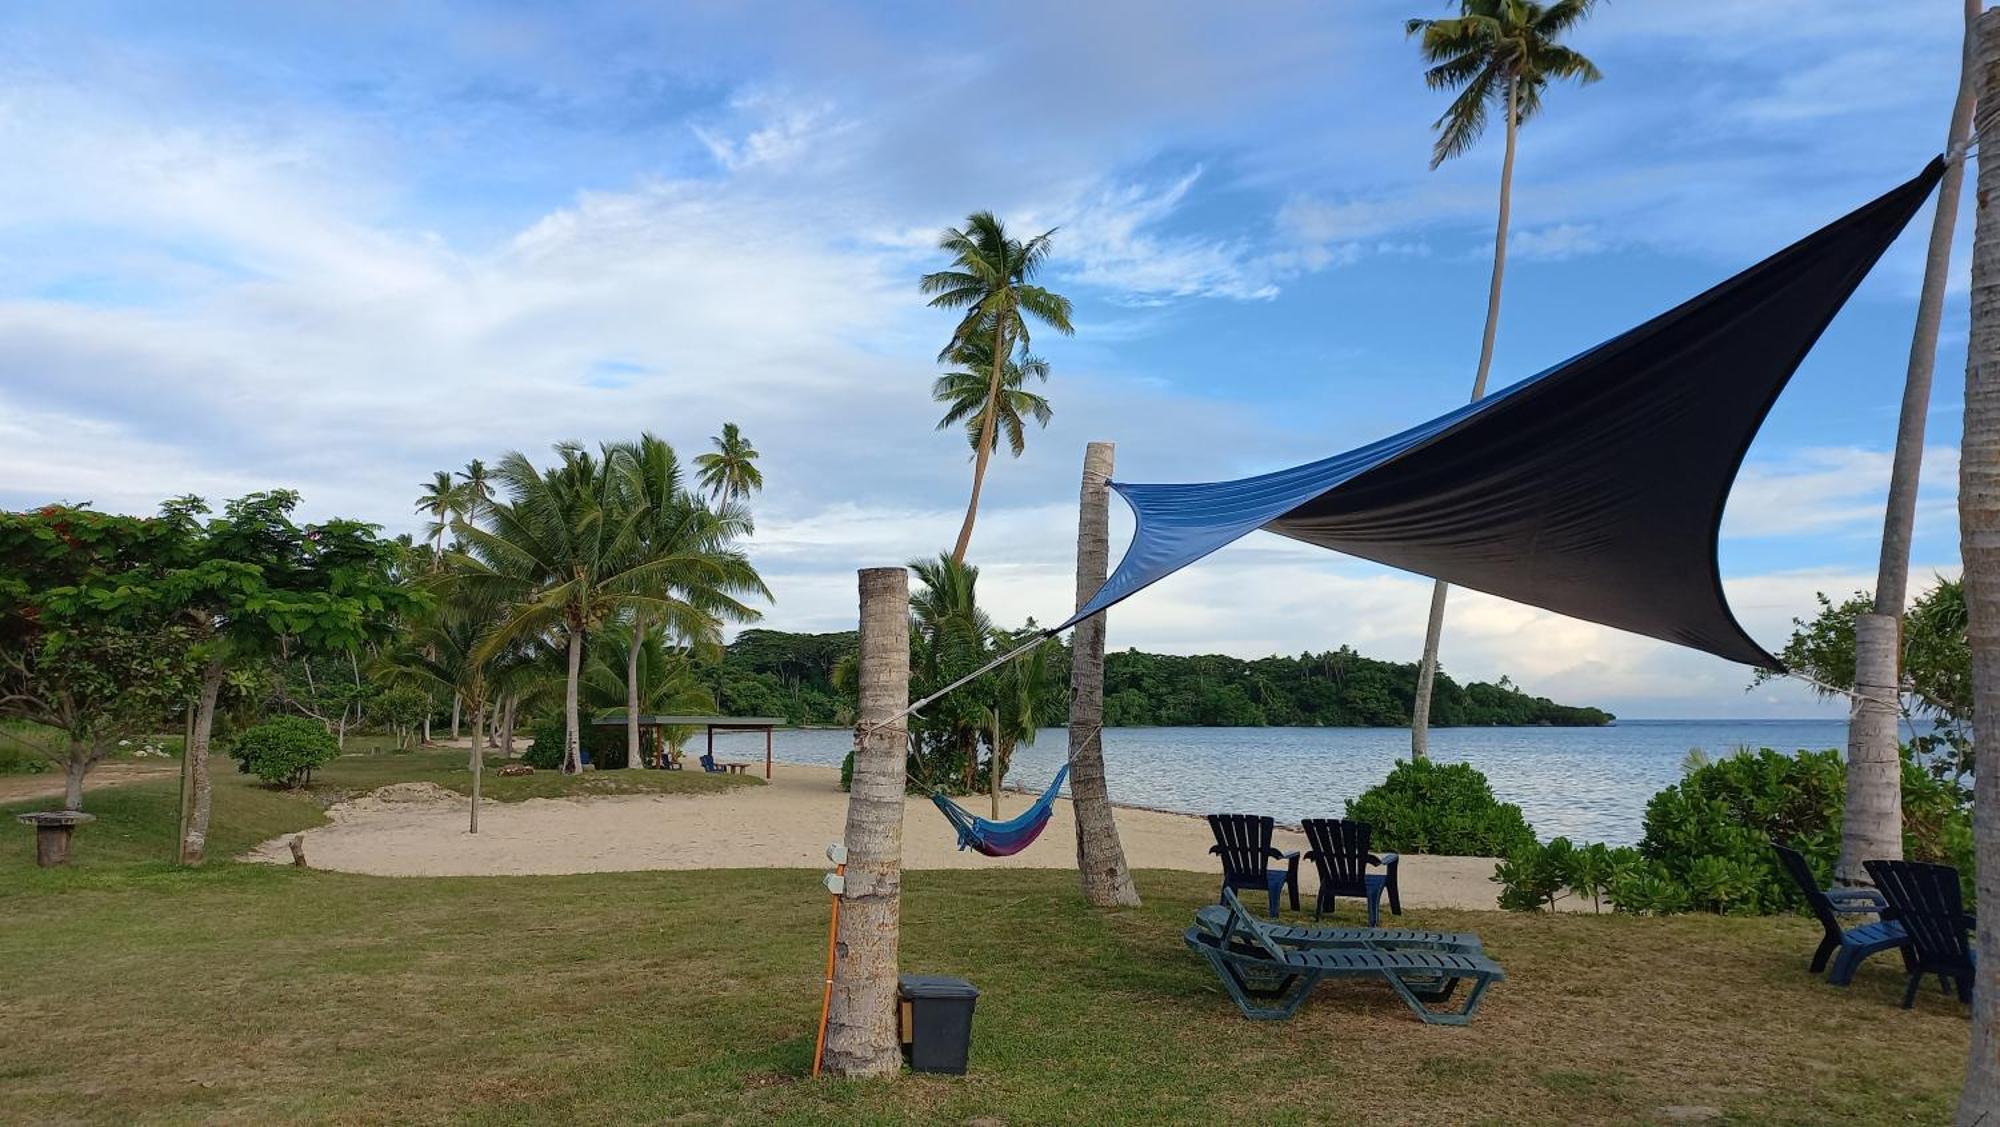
point(418, 829)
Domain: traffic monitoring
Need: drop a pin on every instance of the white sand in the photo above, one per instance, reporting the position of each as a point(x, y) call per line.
point(416, 829)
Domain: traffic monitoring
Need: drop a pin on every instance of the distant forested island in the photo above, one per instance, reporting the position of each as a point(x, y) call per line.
point(774, 673)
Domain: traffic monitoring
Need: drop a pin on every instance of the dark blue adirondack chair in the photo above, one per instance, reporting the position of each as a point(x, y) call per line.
point(1340, 853)
point(1929, 906)
point(709, 765)
point(1855, 943)
point(1243, 841)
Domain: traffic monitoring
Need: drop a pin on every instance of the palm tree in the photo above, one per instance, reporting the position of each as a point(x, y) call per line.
point(966, 397)
point(1873, 825)
point(1495, 53)
point(990, 280)
point(442, 500)
point(556, 554)
point(730, 473)
point(687, 577)
point(651, 676)
point(950, 636)
point(477, 487)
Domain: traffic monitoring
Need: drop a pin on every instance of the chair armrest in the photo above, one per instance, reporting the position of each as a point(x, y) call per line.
point(1386, 860)
point(1856, 900)
point(1274, 851)
point(1215, 848)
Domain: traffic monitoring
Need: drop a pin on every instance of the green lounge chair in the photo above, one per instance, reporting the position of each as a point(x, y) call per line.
point(1214, 920)
point(1269, 982)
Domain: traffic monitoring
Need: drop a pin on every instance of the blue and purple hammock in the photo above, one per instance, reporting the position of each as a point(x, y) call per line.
point(1002, 839)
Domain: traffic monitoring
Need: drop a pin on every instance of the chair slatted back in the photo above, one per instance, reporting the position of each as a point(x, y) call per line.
point(1795, 864)
point(1927, 901)
point(1340, 851)
point(1243, 841)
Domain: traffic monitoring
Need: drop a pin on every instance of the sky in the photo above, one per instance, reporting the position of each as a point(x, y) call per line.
point(336, 247)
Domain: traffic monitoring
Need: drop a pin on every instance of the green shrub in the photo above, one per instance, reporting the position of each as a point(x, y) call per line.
point(1536, 876)
point(604, 742)
point(545, 744)
point(847, 772)
point(284, 750)
point(1430, 807)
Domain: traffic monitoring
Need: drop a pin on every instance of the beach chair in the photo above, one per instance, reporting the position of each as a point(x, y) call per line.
point(1269, 981)
point(1214, 920)
point(1243, 841)
point(1928, 904)
point(1855, 944)
point(1340, 853)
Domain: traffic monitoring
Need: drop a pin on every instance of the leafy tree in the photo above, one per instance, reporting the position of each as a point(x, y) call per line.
point(990, 279)
point(1497, 54)
point(1429, 807)
point(965, 396)
point(730, 473)
point(443, 500)
point(652, 677)
point(403, 708)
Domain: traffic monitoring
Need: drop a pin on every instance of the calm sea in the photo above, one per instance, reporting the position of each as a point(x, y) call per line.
point(1586, 783)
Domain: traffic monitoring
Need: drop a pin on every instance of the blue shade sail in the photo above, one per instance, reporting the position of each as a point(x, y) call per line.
point(1594, 489)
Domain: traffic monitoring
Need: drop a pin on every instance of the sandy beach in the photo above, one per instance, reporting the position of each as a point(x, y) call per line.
point(416, 829)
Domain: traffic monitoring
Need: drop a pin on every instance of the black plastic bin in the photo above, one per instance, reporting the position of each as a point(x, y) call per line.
point(936, 1022)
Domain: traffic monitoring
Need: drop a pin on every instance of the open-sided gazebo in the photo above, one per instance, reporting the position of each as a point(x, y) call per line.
point(650, 725)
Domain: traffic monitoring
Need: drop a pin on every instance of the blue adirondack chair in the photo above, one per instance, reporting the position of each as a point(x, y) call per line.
point(1340, 853)
point(1243, 841)
point(1929, 906)
point(1855, 944)
point(709, 764)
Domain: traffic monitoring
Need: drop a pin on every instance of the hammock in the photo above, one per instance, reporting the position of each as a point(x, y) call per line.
point(1002, 839)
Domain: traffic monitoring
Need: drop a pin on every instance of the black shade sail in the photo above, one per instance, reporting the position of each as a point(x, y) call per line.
point(1594, 489)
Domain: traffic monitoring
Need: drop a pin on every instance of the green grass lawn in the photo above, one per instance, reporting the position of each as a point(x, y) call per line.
point(242, 993)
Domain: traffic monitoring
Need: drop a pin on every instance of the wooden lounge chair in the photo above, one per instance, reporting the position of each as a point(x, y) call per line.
point(1929, 906)
point(1269, 981)
point(1855, 944)
point(1340, 853)
point(1215, 920)
point(1243, 841)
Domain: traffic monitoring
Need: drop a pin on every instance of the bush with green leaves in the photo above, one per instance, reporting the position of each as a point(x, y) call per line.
point(1429, 807)
point(285, 750)
point(1707, 841)
point(603, 743)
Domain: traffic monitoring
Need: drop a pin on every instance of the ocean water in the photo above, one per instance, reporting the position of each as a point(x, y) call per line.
point(1590, 784)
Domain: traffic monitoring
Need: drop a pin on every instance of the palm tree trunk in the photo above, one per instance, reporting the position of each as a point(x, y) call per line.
point(572, 726)
point(984, 452)
point(194, 842)
point(861, 1019)
point(1979, 546)
point(1420, 707)
point(507, 726)
point(1873, 825)
point(456, 701)
point(478, 752)
point(632, 753)
point(1100, 856)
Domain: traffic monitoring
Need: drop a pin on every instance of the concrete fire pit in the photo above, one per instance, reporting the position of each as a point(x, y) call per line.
point(52, 830)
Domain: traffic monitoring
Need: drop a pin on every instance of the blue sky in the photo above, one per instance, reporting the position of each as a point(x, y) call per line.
point(335, 247)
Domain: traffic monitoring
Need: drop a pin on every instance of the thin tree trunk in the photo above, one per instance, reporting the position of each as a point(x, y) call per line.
point(478, 756)
point(456, 700)
point(1979, 547)
point(1420, 707)
point(194, 843)
point(572, 726)
point(187, 758)
point(633, 756)
point(984, 452)
point(1873, 826)
point(73, 772)
point(1100, 856)
point(861, 1021)
point(507, 727)
point(993, 772)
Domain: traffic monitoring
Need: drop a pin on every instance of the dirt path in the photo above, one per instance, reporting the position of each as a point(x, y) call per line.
point(14, 788)
point(420, 830)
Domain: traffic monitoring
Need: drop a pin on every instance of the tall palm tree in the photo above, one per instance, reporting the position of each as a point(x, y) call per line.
point(1497, 54)
point(991, 280)
point(1873, 825)
point(730, 473)
point(557, 554)
point(950, 636)
point(650, 676)
point(476, 487)
point(965, 395)
point(441, 500)
point(686, 576)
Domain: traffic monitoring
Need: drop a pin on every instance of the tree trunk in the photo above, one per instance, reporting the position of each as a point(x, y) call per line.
point(1979, 547)
point(73, 771)
point(861, 1020)
point(1420, 707)
point(995, 767)
point(478, 751)
point(456, 700)
point(1100, 856)
point(194, 843)
point(507, 727)
point(633, 756)
point(1872, 739)
point(572, 726)
point(984, 451)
